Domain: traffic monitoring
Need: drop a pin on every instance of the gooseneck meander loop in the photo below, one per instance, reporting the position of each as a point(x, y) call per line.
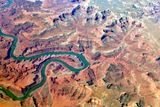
point(28, 92)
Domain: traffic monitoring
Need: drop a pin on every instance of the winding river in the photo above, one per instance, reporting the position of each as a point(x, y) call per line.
point(28, 92)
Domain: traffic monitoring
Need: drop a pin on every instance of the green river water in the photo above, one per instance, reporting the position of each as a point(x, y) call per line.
point(45, 64)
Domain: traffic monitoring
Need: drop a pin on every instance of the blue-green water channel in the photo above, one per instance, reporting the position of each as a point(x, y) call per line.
point(45, 64)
